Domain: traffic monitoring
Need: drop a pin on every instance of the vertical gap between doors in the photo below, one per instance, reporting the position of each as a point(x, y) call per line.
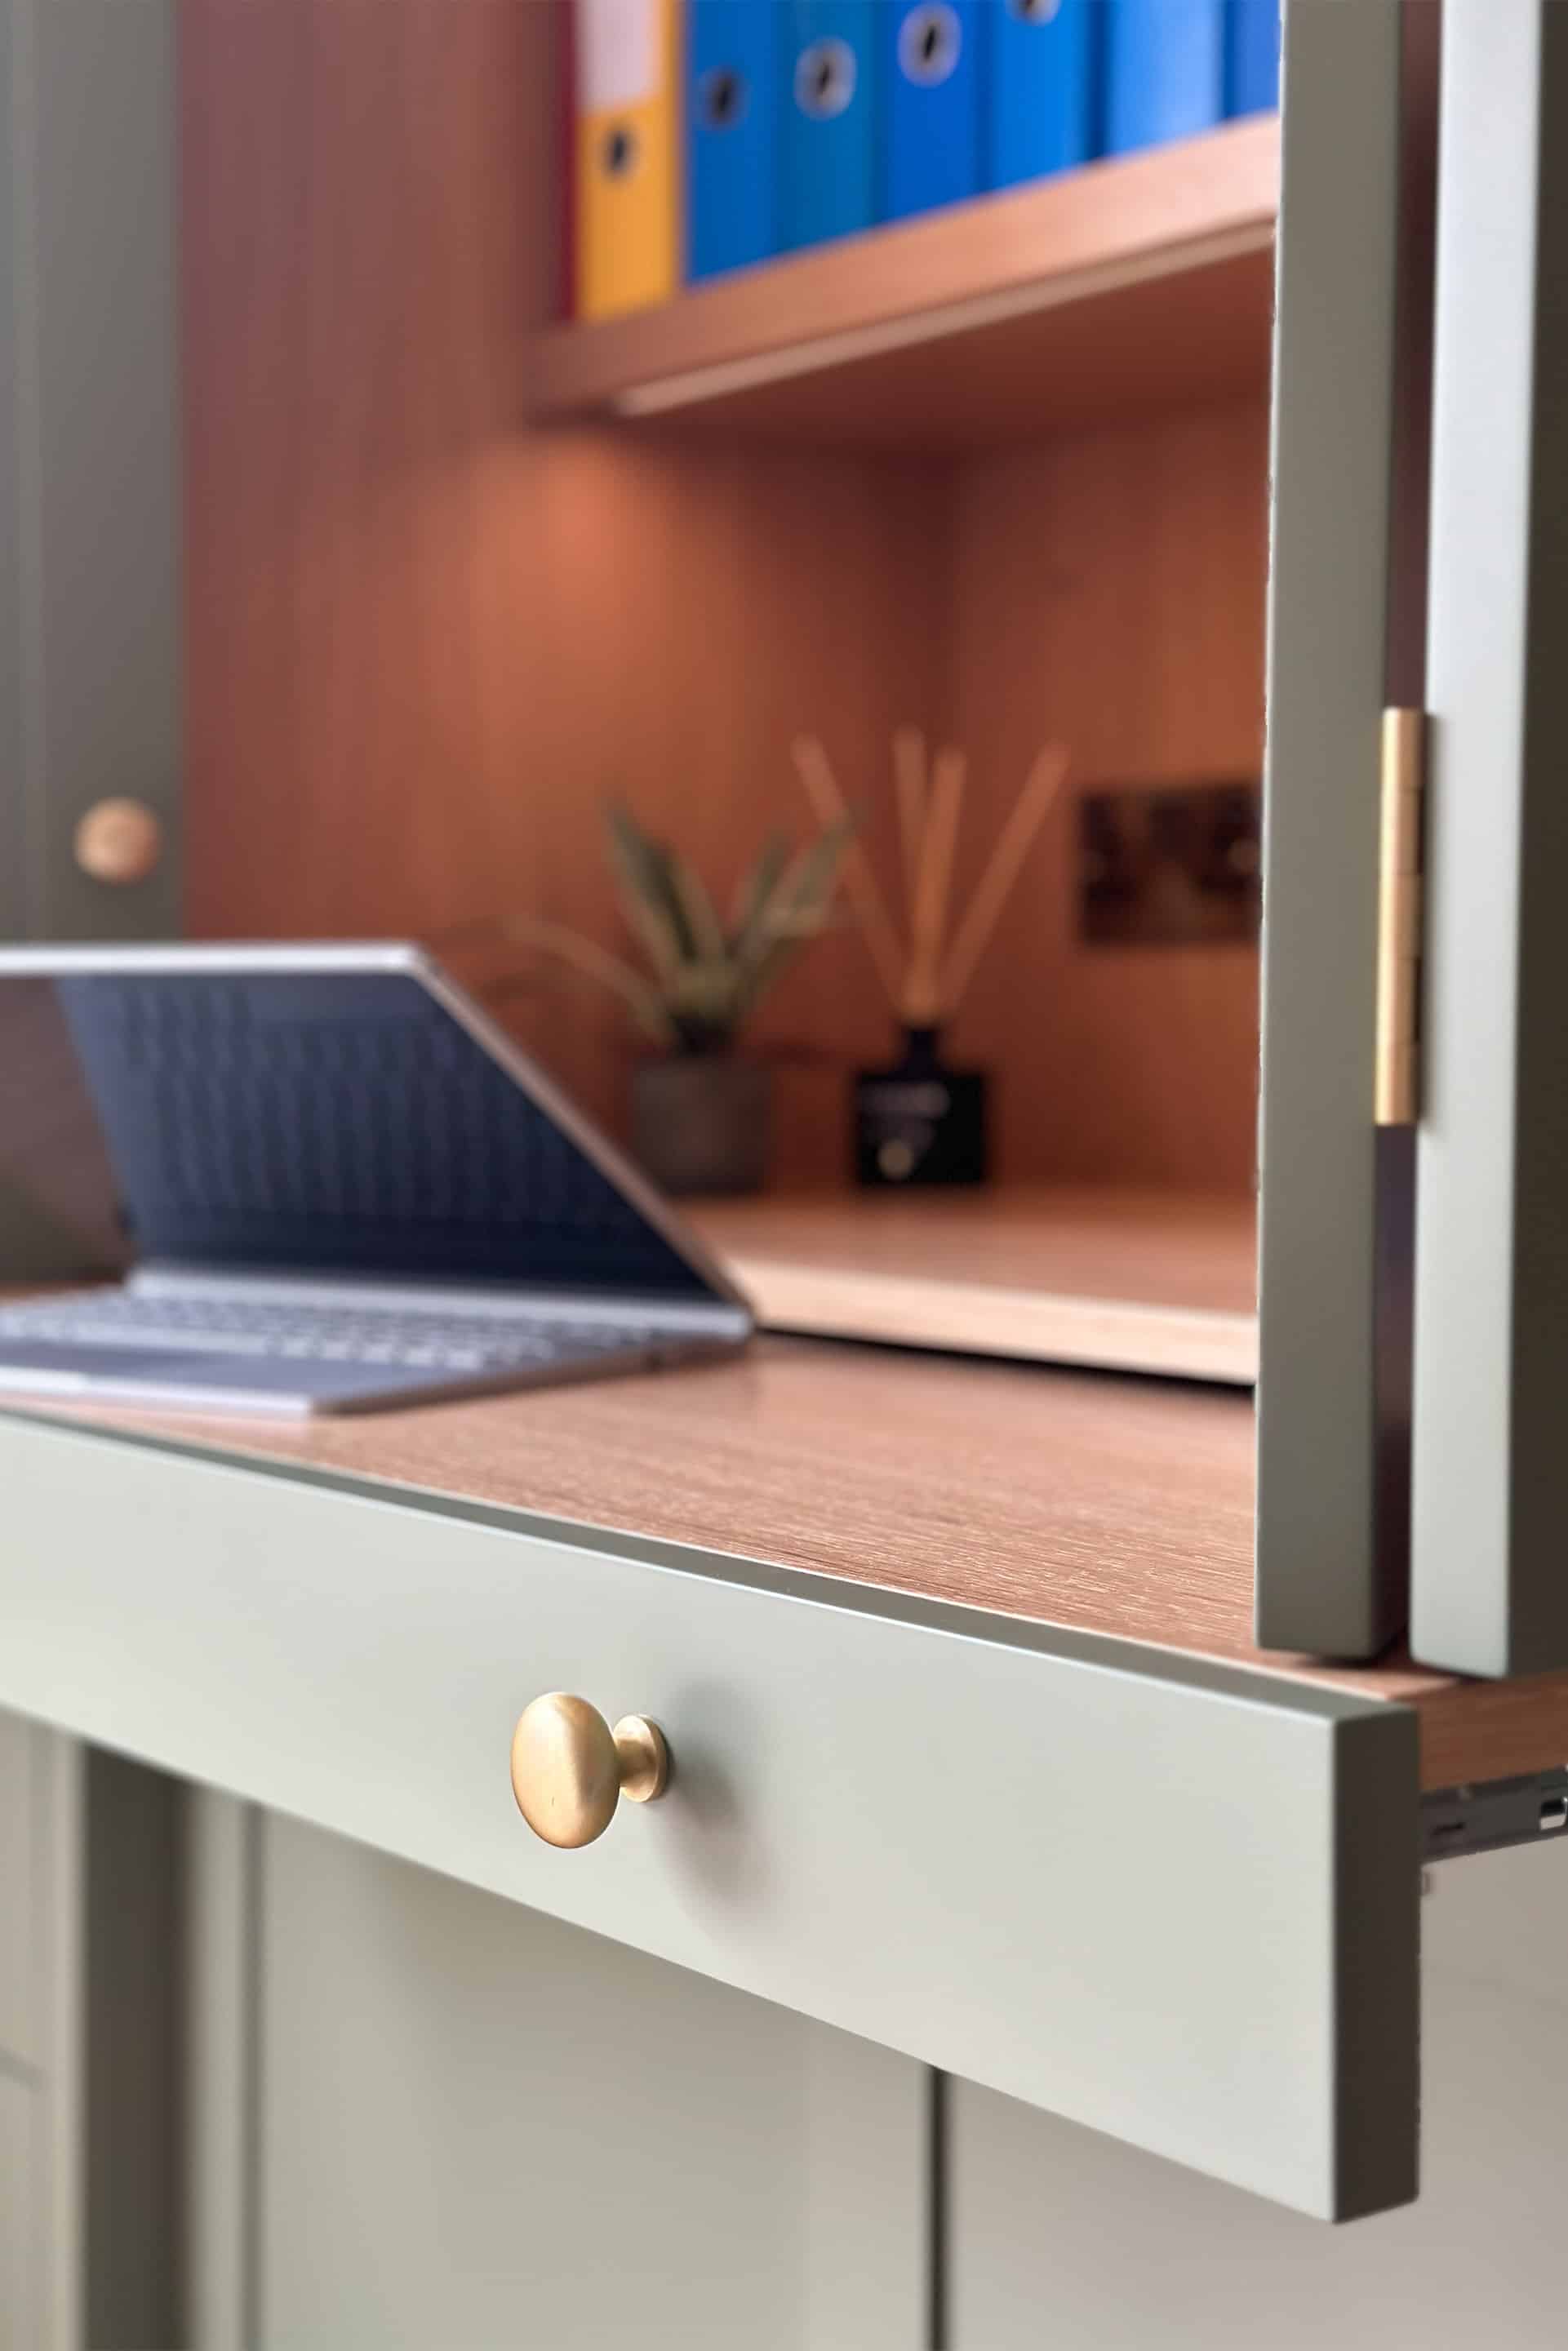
point(938, 2336)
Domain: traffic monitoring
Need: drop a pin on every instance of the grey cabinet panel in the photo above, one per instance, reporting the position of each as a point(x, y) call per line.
point(1490, 1482)
point(130, 1847)
point(19, 1888)
point(90, 619)
point(1319, 1582)
point(479, 2128)
point(16, 844)
point(89, 585)
point(41, 1940)
point(217, 1968)
point(1175, 1901)
point(1062, 2239)
point(87, 1977)
point(20, 2165)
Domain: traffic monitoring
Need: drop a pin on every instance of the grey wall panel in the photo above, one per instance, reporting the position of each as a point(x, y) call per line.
point(1490, 1594)
point(1319, 1581)
point(1174, 1900)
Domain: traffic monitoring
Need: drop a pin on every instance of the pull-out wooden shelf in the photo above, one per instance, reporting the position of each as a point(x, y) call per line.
point(1122, 1280)
point(1097, 1504)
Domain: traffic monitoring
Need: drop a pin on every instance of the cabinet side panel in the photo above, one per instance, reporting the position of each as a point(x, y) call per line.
point(1490, 1473)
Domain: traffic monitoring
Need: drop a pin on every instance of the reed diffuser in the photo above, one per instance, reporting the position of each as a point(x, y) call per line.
point(920, 1120)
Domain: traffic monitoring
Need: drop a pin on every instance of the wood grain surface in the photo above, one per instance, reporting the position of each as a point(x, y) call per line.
point(1107, 589)
point(426, 646)
point(424, 643)
point(1110, 1505)
point(1053, 301)
point(1124, 1280)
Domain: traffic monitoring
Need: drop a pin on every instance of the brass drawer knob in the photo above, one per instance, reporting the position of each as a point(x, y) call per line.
point(119, 841)
point(570, 1770)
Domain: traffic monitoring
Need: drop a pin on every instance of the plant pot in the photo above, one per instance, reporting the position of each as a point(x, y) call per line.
point(701, 1123)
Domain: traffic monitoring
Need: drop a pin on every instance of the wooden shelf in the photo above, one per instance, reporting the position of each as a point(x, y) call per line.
point(1136, 1281)
point(1111, 1506)
point(1140, 281)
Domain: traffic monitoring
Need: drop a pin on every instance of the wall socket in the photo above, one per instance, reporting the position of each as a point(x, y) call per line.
point(1169, 866)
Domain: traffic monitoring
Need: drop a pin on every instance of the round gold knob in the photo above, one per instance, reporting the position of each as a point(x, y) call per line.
point(570, 1770)
point(119, 841)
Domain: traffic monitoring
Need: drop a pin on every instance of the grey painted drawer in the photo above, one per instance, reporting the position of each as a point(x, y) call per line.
point(1170, 1901)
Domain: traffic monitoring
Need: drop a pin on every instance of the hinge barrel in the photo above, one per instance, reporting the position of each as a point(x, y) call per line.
point(1398, 1082)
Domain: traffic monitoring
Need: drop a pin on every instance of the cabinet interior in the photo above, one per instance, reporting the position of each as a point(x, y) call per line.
point(428, 639)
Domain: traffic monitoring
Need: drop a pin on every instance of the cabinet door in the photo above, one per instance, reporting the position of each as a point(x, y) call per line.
point(474, 2126)
point(42, 1924)
point(1057, 2237)
point(1491, 1472)
point(1347, 563)
point(90, 595)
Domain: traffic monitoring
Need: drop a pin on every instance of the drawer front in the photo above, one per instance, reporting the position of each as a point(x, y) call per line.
point(1173, 1901)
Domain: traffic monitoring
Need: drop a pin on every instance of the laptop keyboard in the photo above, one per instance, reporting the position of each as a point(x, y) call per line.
point(283, 1331)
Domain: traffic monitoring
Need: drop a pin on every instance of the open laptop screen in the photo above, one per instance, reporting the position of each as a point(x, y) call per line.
point(324, 1121)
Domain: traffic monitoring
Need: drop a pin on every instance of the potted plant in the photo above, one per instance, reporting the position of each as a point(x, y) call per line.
point(700, 1108)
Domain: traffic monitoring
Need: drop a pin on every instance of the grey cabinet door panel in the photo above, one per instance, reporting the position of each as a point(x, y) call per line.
point(19, 1889)
point(90, 617)
point(1172, 1900)
point(576, 2145)
point(1059, 2240)
point(21, 2112)
point(1321, 1585)
point(1490, 1480)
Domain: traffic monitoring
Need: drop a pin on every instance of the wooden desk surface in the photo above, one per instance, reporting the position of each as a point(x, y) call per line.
point(1111, 1505)
point(1126, 1280)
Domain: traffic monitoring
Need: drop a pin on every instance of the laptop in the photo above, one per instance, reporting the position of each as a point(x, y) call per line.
point(315, 1179)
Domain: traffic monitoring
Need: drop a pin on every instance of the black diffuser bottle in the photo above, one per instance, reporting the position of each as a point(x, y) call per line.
point(920, 1122)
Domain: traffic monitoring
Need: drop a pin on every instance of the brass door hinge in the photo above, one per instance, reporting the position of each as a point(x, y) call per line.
point(1404, 780)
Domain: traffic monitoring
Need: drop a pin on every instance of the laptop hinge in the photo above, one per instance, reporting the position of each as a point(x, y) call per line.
point(1399, 880)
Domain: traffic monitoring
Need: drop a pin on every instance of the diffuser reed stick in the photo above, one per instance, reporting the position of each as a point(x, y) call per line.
point(921, 1004)
point(1017, 838)
point(870, 911)
point(926, 986)
point(909, 772)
